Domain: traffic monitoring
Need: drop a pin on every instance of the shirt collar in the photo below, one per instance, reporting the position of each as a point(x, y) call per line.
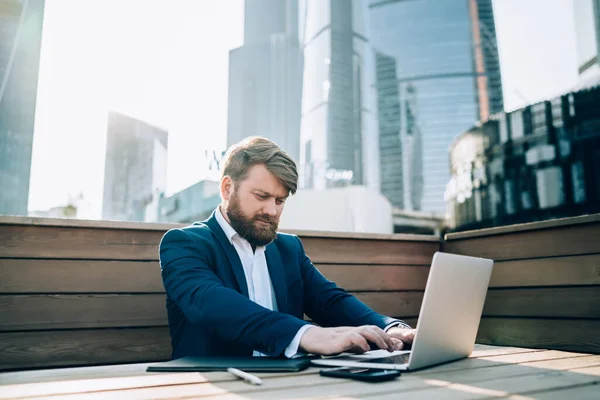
point(229, 231)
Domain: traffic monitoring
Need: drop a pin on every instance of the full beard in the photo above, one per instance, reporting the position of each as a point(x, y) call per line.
point(256, 233)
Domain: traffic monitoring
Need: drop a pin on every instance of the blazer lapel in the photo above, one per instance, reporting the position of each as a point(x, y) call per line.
point(232, 255)
point(277, 274)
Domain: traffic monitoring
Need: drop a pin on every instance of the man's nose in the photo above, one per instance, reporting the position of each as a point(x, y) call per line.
point(270, 208)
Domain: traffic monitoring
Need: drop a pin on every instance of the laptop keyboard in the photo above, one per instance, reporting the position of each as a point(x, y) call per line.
point(397, 359)
point(393, 359)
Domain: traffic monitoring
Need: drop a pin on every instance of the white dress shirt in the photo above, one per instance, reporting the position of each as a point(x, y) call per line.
point(260, 287)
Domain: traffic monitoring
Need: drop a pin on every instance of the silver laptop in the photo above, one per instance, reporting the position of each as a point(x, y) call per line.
point(448, 320)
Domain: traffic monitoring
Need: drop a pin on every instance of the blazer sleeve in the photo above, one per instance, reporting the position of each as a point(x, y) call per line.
point(191, 283)
point(329, 305)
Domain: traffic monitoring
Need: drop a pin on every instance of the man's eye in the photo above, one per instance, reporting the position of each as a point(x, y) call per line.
point(280, 202)
point(262, 196)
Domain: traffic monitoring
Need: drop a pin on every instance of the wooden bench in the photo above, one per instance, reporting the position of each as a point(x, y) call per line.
point(89, 292)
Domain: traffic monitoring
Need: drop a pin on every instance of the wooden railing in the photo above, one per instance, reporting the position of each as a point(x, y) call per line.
point(545, 286)
point(90, 292)
point(78, 292)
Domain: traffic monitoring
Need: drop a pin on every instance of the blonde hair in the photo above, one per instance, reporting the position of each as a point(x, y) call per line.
point(258, 150)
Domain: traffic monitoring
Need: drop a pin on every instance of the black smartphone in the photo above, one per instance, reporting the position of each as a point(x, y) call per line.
point(361, 374)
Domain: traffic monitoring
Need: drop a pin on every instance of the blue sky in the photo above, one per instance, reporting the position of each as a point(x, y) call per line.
point(166, 62)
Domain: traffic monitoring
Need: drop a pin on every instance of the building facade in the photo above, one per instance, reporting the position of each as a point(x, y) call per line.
point(265, 76)
point(20, 45)
point(338, 130)
point(587, 30)
point(536, 163)
point(440, 58)
point(194, 203)
point(340, 209)
point(135, 173)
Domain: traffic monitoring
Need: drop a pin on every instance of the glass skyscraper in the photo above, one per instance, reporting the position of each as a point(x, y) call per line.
point(338, 135)
point(265, 76)
point(135, 171)
point(587, 27)
point(447, 77)
point(20, 44)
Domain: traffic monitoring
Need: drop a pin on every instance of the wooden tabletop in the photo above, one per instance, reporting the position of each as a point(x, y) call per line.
point(491, 372)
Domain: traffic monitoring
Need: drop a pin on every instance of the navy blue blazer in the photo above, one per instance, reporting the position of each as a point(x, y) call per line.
point(210, 313)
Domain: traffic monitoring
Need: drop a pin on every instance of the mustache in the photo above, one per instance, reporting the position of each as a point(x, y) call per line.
point(265, 217)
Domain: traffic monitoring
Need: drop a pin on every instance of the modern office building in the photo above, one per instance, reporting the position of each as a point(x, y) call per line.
point(390, 140)
point(194, 203)
point(400, 147)
point(338, 134)
point(441, 59)
point(536, 163)
point(265, 76)
point(587, 31)
point(364, 210)
point(20, 45)
point(135, 172)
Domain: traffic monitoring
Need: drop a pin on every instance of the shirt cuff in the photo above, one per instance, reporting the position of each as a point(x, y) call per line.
point(292, 349)
point(398, 324)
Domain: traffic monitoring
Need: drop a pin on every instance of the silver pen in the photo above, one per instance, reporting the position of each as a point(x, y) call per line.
point(255, 380)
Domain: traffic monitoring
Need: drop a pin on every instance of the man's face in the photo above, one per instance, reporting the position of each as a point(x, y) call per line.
point(254, 205)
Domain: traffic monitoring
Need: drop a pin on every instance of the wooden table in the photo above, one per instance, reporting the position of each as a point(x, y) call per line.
point(491, 372)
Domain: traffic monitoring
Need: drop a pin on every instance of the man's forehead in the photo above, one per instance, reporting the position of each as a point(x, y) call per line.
point(261, 179)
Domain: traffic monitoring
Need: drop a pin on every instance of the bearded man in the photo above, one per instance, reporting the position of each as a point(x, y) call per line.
point(237, 287)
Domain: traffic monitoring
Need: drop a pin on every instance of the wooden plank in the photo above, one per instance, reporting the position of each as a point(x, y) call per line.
point(525, 358)
point(143, 380)
point(488, 370)
point(573, 363)
point(79, 276)
point(501, 387)
point(23, 241)
point(529, 226)
point(98, 276)
point(8, 220)
point(112, 371)
point(376, 277)
point(353, 251)
point(588, 370)
point(572, 335)
point(482, 350)
point(71, 242)
point(23, 350)
point(568, 302)
point(553, 271)
point(102, 276)
point(34, 312)
point(206, 384)
point(561, 241)
point(393, 304)
point(545, 381)
point(403, 237)
point(73, 373)
point(583, 392)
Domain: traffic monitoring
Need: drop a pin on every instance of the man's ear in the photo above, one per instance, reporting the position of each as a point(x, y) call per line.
point(226, 187)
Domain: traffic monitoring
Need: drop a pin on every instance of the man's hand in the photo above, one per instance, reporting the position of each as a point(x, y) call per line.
point(405, 336)
point(327, 341)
